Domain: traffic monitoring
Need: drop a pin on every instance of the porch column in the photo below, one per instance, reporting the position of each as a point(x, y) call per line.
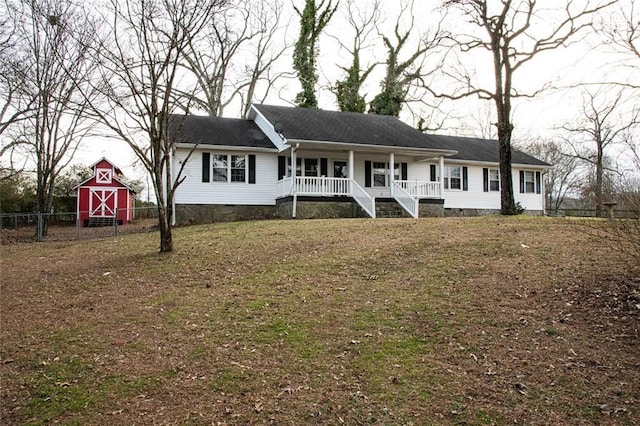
point(351, 165)
point(441, 176)
point(392, 160)
point(293, 182)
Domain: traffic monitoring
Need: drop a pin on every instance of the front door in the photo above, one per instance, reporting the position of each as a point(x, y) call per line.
point(340, 169)
point(102, 202)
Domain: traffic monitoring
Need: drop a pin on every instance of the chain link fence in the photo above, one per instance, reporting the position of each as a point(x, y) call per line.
point(66, 226)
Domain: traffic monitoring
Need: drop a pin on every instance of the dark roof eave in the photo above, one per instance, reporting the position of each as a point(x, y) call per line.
point(371, 147)
point(190, 145)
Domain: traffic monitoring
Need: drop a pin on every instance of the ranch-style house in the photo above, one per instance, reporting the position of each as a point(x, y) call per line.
point(287, 162)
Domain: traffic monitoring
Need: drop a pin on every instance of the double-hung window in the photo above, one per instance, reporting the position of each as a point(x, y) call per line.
point(220, 163)
point(494, 180)
point(453, 177)
point(229, 168)
point(529, 182)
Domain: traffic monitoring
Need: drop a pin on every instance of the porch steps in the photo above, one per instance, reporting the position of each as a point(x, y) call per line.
point(390, 210)
point(101, 221)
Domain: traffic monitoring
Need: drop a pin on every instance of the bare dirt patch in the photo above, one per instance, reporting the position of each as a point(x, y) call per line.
point(447, 321)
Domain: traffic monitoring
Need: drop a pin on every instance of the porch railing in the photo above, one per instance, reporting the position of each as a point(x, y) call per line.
point(284, 187)
point(366, 201)
point(408, 201)
point(310, 185)
point(420, 189)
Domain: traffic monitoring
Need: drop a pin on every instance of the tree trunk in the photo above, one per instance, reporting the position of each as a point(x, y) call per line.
point(507, 201)
point(599, 179)
point(166, 239)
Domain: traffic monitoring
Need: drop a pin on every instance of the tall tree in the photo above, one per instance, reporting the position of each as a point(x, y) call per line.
point(400, 73)
point(602, 125)
point(143, 54)
point(13, 67)
point(54, 41)
point(234, 53)
point(515, 32)
point(313, 19)
point(363, 23)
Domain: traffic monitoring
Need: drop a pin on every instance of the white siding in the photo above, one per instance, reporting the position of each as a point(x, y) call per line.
point(476, 198)
point(194, 191)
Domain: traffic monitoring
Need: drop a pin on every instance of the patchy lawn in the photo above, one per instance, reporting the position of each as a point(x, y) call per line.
point(433, 321)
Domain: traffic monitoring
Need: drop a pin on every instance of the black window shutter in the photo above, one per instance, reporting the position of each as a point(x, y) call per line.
point(433, 172)
point(538, 186)
point(522, 181)
point(252, 168)
point(324, 167)
point(404, 171)
point(206, 166)
point(465, 179)
point(485, 179)
point(282, 166)
point(367, 174)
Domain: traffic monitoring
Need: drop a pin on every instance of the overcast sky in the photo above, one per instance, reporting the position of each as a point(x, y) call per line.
point(582, 63)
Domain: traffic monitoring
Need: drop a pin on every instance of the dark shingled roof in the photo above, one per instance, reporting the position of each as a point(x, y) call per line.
point(219, 131)
point(485, 150)
point(350, 127)
point(347, 127)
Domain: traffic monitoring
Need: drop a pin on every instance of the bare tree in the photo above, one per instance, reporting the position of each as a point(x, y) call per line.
point(401, 73)
point(142, 60)
point(53, 41)
point(363, 23)
point(13, 67)
point(515, 32)
point(602, 125)
point(564, 178)
point(234, 53)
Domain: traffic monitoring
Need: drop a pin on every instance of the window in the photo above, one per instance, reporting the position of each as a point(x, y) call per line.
point(220, 168)
point(494, 180)
point(453, 177)
point(228, 168)
point(238, 168)
point(529, 182)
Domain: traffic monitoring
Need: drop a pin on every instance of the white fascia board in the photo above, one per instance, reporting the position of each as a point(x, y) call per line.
point(210, 147)
point(376, 148)
point(276, 138)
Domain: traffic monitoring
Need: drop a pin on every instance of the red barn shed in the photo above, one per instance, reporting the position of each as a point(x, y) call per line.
point(105, 195)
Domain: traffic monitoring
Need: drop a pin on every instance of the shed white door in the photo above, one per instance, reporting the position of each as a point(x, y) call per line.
point(103, 202)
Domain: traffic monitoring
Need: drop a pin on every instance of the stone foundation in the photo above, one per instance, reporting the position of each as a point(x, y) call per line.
point(314, 208)
point(189, 214)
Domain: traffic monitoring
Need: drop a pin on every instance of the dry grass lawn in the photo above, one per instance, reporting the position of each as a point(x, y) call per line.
point(487, 320)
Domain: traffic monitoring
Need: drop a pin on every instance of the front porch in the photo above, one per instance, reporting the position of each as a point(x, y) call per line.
point(407, 193)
